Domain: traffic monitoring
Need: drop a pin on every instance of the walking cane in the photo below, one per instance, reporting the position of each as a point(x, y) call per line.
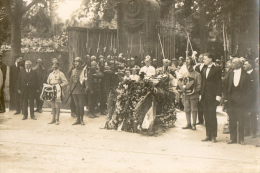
point(238, 132)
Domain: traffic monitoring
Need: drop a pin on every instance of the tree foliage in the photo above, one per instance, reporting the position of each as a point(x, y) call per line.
point(4, 24)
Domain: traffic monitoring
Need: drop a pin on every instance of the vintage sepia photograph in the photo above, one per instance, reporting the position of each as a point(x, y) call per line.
point(129, 86)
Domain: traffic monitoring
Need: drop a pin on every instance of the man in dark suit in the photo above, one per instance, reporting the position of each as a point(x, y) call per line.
point(236, 99)
point(2, 99)
point(15, 97)
point(251, 120)
point(210, 96)
point(41, 75)
point(28, 87)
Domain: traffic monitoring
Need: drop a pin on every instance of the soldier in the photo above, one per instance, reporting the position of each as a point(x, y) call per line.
point(189, 86)
point(56, 78)
point(199, 68)
point(102, 94)
point(77, 91)
point(72, 104)
point(93, 89)
point(28, 87)
point(41, 75)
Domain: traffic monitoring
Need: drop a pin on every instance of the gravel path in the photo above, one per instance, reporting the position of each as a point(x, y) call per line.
point(35, 146)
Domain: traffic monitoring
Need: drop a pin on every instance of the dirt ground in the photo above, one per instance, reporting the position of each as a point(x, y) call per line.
point(35, 146)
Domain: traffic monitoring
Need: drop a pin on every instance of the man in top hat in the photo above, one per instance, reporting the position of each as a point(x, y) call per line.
point(41, 75)
point(210, 95)
point(28, 87)
point(2, 99)
point(148, 69)
point(77, 91)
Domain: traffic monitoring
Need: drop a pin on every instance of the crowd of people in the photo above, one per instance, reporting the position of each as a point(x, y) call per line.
point(200, 84)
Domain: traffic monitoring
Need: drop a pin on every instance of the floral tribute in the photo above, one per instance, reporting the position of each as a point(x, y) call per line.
point(134, 98)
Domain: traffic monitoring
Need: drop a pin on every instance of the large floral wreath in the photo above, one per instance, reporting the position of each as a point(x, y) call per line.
point(132, 94)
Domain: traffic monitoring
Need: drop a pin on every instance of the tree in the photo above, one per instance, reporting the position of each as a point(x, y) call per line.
point(238, 17)
point(4, 24)
point(16, 9)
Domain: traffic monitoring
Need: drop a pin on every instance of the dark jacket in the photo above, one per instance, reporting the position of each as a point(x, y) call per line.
point(28, 81)
point(41, 75)
point(211, 86)
point(4, 69)
point(95, 77)
point(241, 99)
point(253, 88)
point(14, 73)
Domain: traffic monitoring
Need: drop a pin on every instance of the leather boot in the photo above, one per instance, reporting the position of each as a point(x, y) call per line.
point(53, 116)
point(77, 121)
point(81, 120)
point(57, 116)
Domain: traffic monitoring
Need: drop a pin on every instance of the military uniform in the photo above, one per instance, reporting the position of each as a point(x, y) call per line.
point(94, 84)
point(54, 78)
point(78, 94)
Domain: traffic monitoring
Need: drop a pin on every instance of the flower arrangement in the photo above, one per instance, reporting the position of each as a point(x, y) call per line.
point(131, 93)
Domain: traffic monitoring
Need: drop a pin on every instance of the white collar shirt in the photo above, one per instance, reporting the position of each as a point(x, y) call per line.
point(237, 75)
point(201, 66)
point(148, 70)
point(208, 69)
point(249, 71)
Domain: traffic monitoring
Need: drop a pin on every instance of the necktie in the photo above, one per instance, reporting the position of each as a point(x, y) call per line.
point(207, 71)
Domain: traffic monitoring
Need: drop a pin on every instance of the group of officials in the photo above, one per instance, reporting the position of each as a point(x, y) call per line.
point(205, 85)
point(200, 86)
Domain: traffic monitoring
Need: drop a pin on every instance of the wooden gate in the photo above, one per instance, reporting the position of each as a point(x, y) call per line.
point(83, 41)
